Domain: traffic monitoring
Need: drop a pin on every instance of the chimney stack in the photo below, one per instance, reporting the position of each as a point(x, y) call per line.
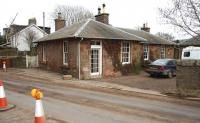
point(32, 21)
point(145, 28)
point(59, 22)
point(102, 17)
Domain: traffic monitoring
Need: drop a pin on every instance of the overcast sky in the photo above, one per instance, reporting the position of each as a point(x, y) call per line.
point(123, 13)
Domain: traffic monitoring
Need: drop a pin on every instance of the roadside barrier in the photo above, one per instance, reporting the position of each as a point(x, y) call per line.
point(3, 100)
point(39, 111)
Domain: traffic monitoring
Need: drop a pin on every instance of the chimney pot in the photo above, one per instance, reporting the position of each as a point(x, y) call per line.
point(59, 15)
point(99, 11)
point(144, 25)
point(104, 5)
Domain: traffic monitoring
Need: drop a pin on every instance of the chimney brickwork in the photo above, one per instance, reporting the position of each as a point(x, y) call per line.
point(102, 17)
point(59, 22)
point(32, 21)
point(145, 28)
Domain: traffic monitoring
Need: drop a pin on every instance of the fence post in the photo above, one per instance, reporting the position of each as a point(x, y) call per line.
point(26, 61)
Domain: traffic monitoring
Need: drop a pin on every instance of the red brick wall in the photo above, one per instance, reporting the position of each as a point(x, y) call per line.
point(170, 52)
point(59, 23)
point(73, 58)
point(85, 59)
point(136, 52)
point(111, 57)
point(154, 52)
point(55, 56)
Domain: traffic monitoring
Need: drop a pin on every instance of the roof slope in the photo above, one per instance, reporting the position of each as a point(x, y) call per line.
point(152, 39)
point(91, 29)
point(195, 41)
point(17, 28)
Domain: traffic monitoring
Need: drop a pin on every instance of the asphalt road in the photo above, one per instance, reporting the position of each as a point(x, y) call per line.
point(74, 105)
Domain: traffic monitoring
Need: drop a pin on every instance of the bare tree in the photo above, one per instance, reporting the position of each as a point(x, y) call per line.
point(184, 14)
point(72, 14)
point(30, 36)
point(166, 36)
point(8, 32)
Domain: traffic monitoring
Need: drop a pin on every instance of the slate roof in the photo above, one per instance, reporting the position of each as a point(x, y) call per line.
point(152, 39)
point(195, 41)
point(91, 29)
point(17, 28)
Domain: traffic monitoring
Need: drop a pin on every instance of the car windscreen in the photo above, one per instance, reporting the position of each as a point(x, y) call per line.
point(160, 62)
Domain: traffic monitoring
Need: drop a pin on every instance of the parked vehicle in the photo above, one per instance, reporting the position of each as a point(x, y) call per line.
point(166, 67)
point(191, 53)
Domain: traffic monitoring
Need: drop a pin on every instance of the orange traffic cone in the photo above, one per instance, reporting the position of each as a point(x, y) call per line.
point(4, 66)
point(39, 111)
point(3, 100)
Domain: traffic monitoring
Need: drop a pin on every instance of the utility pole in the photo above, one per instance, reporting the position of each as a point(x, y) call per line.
point(44, 22)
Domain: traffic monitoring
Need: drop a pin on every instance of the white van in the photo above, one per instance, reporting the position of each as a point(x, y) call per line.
point(191, 52)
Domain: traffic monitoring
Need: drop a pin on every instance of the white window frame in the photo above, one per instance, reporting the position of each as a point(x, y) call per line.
point(129, 53)
point(44, 52)
point(146, 51)
point(162, 52)
point(65, 52)
point(98, 47)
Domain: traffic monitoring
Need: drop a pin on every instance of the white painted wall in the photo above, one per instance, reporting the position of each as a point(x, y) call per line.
point(19, 40)
point(194, 53)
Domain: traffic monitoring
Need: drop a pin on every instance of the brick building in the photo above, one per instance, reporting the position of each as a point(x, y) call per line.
point(93, 48)
point(155, 47)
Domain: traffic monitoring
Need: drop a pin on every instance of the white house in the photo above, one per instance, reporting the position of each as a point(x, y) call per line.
point(22, 39)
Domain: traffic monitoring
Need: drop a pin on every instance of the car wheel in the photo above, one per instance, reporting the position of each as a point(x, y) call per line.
point(170, 74)
point(152, 75)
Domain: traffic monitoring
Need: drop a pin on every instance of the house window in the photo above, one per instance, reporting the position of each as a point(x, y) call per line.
point(162, 52)
point(65, 52)
point(186, 54)
point(125, 52)
point(146, 52)
point(44, 52)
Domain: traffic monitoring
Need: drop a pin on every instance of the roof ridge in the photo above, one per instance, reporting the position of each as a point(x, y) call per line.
point(28, 27)
point(142, 31)
point(81, 28)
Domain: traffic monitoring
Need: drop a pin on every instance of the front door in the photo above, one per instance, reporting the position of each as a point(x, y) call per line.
point(95, 58)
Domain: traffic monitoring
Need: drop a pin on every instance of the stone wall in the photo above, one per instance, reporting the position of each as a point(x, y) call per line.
point(18, 62)
point(188, 74)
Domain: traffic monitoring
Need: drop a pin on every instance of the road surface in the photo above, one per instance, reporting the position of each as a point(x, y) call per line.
point(74, 105)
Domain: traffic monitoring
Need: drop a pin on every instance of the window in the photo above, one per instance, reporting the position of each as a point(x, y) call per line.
point(162, 52)
point(97, 43)
point(186, 54)
point(44, 52)
point(96, 57)
point(170, 63)
point(125, 52)
point(146, 52)
point(65, 52)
